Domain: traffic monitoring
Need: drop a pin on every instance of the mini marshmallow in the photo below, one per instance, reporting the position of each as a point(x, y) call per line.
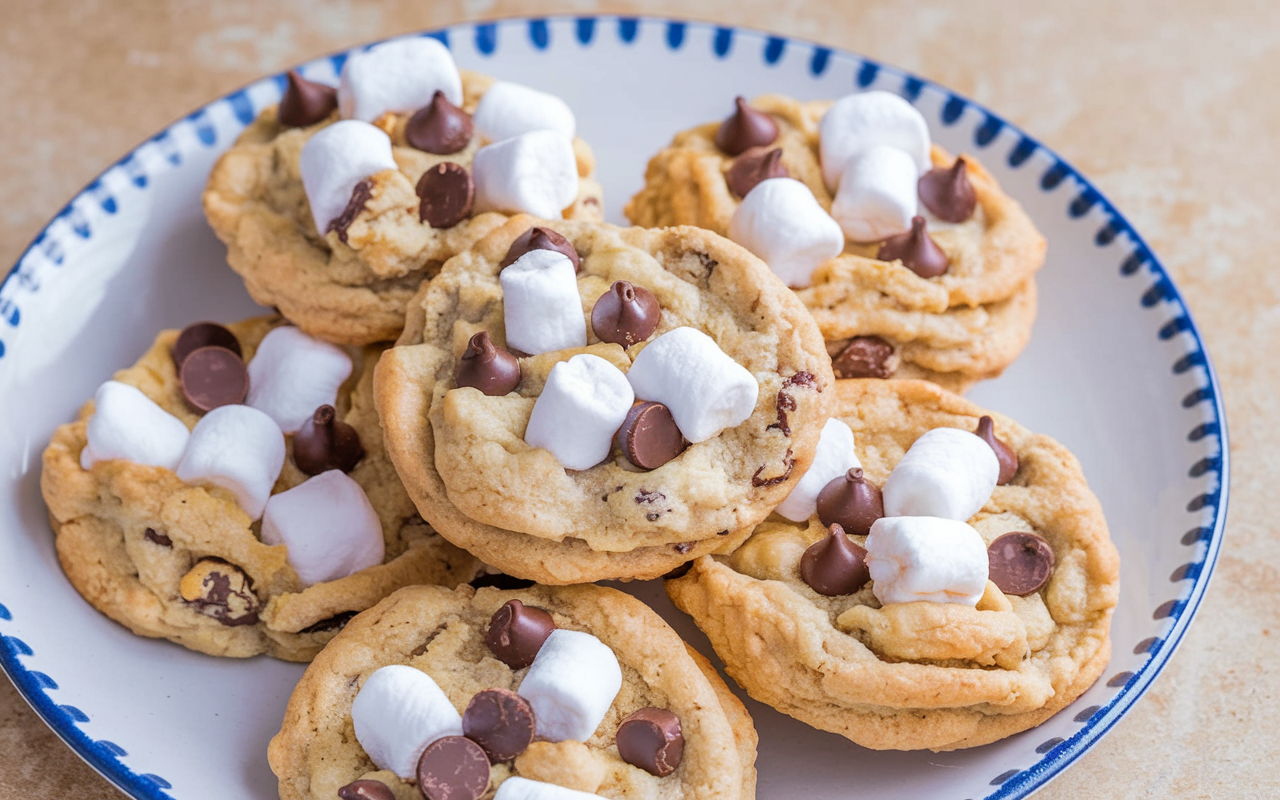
point(292, 374)
point(334, 160)
point(238, 448)
point(877, 196)
point(128, 425)
point(833, 457)
point(858, 122)
point(926, 558)
point(705, 389)
point(400, 75)
point(534, 173)
point(517, 788)
point(541, 307)
point(328, 525)
point(507, 110)
point(571, 684)
point(947, 473)
point(397, 713)
point(582, 405)
point(781, 222)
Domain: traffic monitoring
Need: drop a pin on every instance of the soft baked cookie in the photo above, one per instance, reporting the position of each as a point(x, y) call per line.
point(621, 707)
point(185, 561)
point(576, 507)
point(349, 282)
point(929, 633)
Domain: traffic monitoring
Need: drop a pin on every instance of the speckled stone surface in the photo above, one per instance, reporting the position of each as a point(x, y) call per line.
point(1169, 107)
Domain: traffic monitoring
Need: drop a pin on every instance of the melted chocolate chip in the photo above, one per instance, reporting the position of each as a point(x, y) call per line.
point(651, 740)
point(948, 193)
point(1020, 563)
point(626, 314)
point(361, 193)
point(538, 238)
point(500, 580)
point(212, 377)
point(516, 633)
point(447, 194)
point(453, 768)
point(865, 357)
point(305, 102)
point(485, 366)
point(155, 537)
point(744, 129)
point(753, 167)
point(325, 442)
point(221, 591)
point(760, 482)
point(501, 722)
point(835, 565)
point(916, 250)
point(439, 127)
point(852, 502)
point(785, 403)
point(366, 790)
point(649, 437)
point(203, 334)
point(1004, 454)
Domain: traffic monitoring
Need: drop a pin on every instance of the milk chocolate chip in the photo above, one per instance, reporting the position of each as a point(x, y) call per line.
point(222, 591)
point(501, 722)
point(212, 377)
point(948, 193)
point(835, 565)
point(649, 437)
point(745, 128)
point(852, 502)
point(447, 194)
point(325, 442)
point(305, 102)
point(439, 127)
point(756, 165)
point(1020, 563)
point(916, 250)
point(651, 740)
point(865, 357)
point(538, 238)
point(361, 194)
point(366, 790)
point(203, 334)
point(453, 768)
point(487, 367)
point(626, 314)
point(1004, 453)
point(516, 633)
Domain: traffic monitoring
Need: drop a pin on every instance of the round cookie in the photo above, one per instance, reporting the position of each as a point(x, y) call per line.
point(443, 634)
point(348, 285)
point(917, 675)
point(128, 535)
point(464, 458)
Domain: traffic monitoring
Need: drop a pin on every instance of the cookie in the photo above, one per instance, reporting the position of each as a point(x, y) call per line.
point(620, 706)
point(184, 560)
point(929, 633)
point(721, 354)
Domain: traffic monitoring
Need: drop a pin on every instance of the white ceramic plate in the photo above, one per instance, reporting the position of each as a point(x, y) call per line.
point(1115, 370)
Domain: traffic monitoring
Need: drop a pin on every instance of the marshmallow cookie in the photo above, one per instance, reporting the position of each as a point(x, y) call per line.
point(573, 402)
point(338, 203)
point(914, 263)
point(924, 586)
point(546, 693)
point(230, 492)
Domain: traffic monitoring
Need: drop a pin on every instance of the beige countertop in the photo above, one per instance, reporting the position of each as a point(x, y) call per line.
point(1169, 107)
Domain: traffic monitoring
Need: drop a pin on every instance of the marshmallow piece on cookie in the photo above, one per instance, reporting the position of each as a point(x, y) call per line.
point(292, 374)
point(128, 425)
point(534, 173)
point(582, 405)
point(507, 110)
point(328, 525)
point(238, 448)
point(541, 307)
point(833, 457)
point(399, 75)
point(926, 558)
point(334, 160)
point(946, 473)
point(877, 196)
point(517, 788)
point(571, 684)
point(398, 712)
point(781, 222)
point(705, 390)
point(858, 122)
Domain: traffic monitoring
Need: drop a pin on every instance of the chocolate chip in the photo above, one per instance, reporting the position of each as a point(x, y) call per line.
point(447, 194)
point(651, 740)
point(221, 591)
point(453, 768)
point(1004, 453)
point(760, 482)
point(325, 442)
point(948, 193)
point(203, 334)
point(752, 167)
point(501, 722)
point(786, 403)
point(851, 501)
point(439, 127)
point(500, 580)
point(649, 437)
point(366, 790)
point(916, 250)
point(865, 357)
point(835, 565)
point(516, 633)
point(212, 377)
point(538, 238)
point(626, 314)
point(744, 129)
point(361, 193)
point(155, 537)
point(1020, 563)
point(485, 366)
point(305, 102)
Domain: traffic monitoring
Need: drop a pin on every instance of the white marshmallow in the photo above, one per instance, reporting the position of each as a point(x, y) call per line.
point(926, 558)
point(292, 374)
point(517, 788)
point(534, 173)
point(334, 160)
point(328, 525)
point(571, 684)
point(541, 307)
point(858, 122)
point(781, 222)
point(582, 405)
point(507, 110)
point(397, 713)
point(878, 195)
point(128, 425)
point(705, 389)
point(400, 75)
point(833, 457)
point(238, 448)
point(946, 473)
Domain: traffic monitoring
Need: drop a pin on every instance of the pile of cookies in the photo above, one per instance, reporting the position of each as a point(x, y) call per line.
point(476, 399)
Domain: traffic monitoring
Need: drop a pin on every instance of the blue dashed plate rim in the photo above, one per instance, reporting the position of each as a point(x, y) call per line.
point(1057, 753)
